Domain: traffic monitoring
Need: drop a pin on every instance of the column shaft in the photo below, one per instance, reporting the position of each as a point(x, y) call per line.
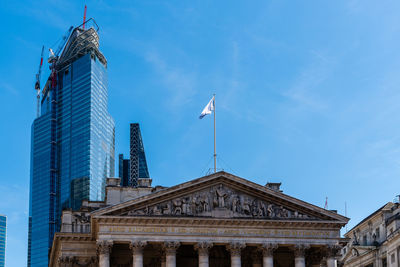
point(268, 261)
point(331, 262)
point(104, 260)
point(171, 260)
point(236, 260)
point(138, 259)
point(299, 262)
point(203, 260)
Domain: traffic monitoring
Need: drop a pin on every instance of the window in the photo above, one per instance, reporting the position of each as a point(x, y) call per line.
point(377, 233)
point(392, 258)
point(365, 240)
point(384, 262)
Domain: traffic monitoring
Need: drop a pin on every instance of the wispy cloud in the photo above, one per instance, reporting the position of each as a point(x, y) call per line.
point(304, 90)
point(9, 89)
point(180, 83)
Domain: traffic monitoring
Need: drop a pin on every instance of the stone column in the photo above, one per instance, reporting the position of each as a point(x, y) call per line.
point(331, 255)
point(236, 253)
point(137, 250)
point(104, 250)
point(203, 249)
point(268, 254)
point(170, 248)
point(299, 255)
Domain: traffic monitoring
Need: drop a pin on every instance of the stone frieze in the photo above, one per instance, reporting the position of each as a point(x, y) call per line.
point(219, 201)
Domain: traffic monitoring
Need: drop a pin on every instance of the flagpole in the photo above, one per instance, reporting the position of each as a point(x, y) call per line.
point(215, 142)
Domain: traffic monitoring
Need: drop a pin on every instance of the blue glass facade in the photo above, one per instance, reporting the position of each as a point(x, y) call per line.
point(72, 150)
point(3, 238)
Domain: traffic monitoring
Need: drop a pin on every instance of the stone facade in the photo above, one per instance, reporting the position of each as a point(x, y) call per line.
point(216, 220)
point(375, 241)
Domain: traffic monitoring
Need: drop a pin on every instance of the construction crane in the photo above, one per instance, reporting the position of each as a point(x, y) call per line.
point(37, 84)
point(84, 18)
point(53, 55)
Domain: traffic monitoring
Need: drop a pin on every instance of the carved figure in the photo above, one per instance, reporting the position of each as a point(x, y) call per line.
point(177, 206)
point(221, 194)
point(156, 210)
point(192, 205)
point(185, 206)
point(204, 203)
point(167, 209)
point(270, 211)
point(82, 218)
point(254, 208)
point(355, 239)
point(264, 208)
point(235, 203)
point(259, 209)
point(246, 207)
point(283, 213)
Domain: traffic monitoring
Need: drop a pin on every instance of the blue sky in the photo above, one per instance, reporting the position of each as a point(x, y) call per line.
point(307, 94)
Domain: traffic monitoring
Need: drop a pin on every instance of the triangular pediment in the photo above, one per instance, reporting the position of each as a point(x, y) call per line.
point(221, 195)
point(354, 253)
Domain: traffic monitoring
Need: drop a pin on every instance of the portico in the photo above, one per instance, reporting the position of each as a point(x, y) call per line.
point(217, 220)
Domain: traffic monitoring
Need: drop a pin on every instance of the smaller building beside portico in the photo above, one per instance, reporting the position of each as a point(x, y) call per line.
point(375, 241)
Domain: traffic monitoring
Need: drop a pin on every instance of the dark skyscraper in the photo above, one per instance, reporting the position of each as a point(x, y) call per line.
point(136, 167)
point(72, 149)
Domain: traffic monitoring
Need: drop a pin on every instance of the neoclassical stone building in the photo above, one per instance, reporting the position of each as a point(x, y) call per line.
point(216, 220)
point(375, 241)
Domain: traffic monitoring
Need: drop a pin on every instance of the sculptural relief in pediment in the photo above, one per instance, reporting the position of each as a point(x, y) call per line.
point(219, 201)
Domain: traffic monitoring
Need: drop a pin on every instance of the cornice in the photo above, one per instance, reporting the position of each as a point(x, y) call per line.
point(216, 222)
point(73, 237)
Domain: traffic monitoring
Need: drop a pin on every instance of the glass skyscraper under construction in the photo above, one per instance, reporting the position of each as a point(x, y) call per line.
point(72, 150)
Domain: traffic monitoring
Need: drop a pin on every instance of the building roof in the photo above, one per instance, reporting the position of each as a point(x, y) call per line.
point(370, 216)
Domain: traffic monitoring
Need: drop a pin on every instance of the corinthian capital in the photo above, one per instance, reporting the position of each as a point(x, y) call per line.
point(137, 245)
point(104, 246)
point(203, 248)
point(66, 260)
point(170, 247)
point(300, 250)
point(268, 249)
point(332, 251)
point(236, 248)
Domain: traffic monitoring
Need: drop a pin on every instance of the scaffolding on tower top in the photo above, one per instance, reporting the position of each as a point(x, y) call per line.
point(81, 42)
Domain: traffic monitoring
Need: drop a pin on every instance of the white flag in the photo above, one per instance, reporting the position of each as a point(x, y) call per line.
point(208, 109)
